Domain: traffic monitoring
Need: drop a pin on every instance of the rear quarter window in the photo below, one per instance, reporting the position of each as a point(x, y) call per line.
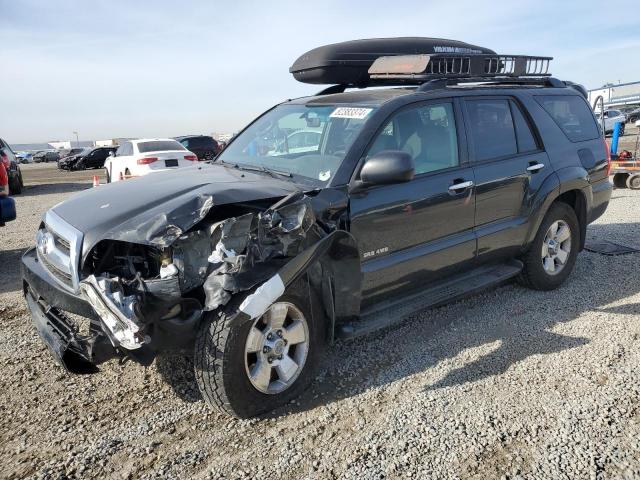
point(572, 114)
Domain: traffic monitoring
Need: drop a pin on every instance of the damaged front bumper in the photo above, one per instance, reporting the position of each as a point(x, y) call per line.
point(77, 352)
point(79, 346)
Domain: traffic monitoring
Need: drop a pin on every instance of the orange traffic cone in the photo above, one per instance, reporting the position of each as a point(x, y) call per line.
point(96, 181)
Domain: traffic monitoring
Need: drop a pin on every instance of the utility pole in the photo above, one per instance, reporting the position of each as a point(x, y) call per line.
point(77, 141)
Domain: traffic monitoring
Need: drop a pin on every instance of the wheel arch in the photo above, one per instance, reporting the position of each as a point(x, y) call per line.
point(576, 199)
point(335, 256)
point(566, 186)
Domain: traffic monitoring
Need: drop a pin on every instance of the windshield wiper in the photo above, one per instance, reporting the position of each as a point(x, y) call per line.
point(262, 168)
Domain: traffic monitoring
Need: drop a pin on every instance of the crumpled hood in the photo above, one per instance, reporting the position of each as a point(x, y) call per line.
point(157, 208)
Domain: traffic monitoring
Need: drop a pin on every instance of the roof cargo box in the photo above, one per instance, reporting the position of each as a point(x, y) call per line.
point(347, 63)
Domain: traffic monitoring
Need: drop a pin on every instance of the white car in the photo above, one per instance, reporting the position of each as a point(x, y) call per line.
point(300, 141)
point(611, 117)
point(135, 158)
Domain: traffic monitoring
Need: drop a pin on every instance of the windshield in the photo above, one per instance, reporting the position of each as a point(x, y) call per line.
point(301, 140)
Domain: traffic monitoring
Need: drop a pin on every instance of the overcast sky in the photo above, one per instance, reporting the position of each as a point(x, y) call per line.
point(127, 68)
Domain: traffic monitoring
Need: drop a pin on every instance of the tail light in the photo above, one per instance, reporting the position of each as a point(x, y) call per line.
point(191, 158)
point(5, 159)
point(147, 160)
point(606, 149)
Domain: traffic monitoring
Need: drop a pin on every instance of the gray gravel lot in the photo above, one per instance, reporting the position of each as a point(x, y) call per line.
point(511, 383)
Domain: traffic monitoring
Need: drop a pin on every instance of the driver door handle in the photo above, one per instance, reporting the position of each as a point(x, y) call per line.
point(535, 167)
point(460, 186)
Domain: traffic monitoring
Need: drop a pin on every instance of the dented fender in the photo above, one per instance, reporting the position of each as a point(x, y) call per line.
point(337, 256)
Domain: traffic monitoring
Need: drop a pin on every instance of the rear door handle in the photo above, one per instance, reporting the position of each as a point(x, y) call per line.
point(535, 167)
point(460, 186)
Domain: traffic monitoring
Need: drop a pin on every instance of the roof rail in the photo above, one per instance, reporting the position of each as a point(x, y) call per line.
point(440, 83)
point(417, 69)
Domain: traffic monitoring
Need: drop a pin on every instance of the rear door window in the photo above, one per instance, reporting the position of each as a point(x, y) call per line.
point(491, 128)
point(572, 114)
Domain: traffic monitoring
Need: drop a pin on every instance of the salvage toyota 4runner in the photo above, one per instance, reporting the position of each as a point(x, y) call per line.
point(328, 217)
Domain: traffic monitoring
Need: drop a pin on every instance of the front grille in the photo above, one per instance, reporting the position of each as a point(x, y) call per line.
point(62, 244)
point(64, 277)
point(62, 256)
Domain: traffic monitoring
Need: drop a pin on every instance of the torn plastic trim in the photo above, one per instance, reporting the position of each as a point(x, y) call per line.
point(265, 295)
point(338, 256)
point(116, 311)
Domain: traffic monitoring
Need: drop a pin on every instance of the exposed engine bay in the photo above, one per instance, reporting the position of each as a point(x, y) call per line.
point(146, 292)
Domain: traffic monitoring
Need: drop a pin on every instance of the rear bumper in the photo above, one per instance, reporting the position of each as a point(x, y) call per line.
point(76, 352)
point(600, 196)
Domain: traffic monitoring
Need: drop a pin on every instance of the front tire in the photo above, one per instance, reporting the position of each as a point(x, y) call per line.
point(552, 255)
point(254, 367)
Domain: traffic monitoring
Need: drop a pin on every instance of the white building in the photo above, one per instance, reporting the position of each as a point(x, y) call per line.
point(60, 145)
point(617, 95)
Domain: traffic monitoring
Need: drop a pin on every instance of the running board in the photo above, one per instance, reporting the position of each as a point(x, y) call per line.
point(391, 312)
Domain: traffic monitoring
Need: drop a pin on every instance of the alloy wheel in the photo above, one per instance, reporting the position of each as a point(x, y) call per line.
point(556, 247)
point(276, 348)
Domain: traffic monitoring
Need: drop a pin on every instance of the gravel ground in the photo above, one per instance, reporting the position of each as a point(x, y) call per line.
point(509, 384)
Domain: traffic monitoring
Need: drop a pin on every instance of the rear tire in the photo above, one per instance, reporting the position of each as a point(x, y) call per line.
point(552, 256)
point(620, 180)
point(224, 360)
point(633, 181)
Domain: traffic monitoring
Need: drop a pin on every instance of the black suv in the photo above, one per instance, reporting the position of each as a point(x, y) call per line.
point(479, 168)
point(205, 147)
point(93, 158)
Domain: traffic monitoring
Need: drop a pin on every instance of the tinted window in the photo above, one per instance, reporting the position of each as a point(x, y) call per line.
point(201, 142)
point(159, 146)
point(573, 116)
point(427, 133)
point(491, 128)
point(124, 150)
point(526, 140)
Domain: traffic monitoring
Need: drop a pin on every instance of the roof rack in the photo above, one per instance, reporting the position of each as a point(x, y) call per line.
point(437, 71)
point(416, 69)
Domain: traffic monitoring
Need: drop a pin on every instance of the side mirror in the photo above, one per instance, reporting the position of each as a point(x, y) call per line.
point(387, 167)
point(112, 153)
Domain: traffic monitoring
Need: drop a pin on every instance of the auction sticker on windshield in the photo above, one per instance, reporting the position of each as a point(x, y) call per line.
point(350, 112)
